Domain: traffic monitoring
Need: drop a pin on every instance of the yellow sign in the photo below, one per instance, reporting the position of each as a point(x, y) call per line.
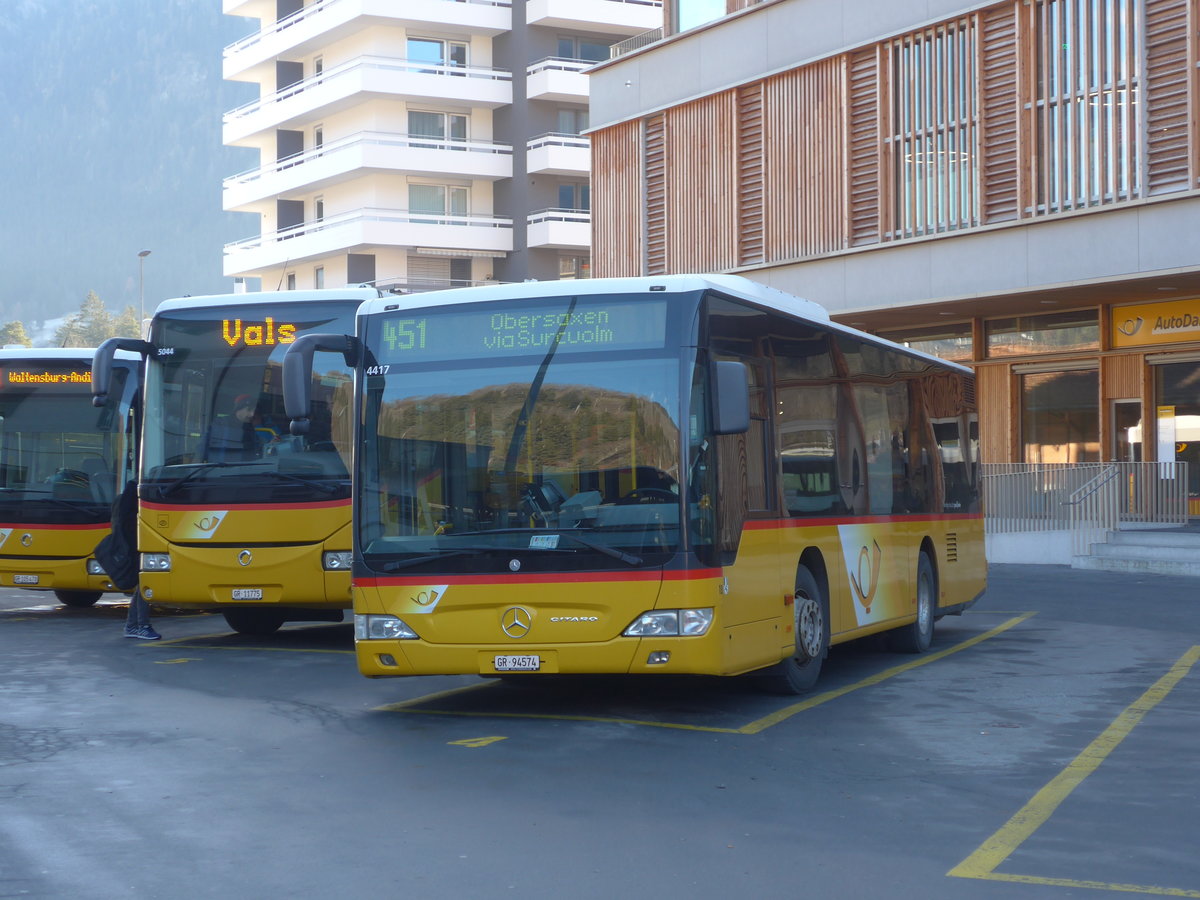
point(255, 334)
point(26, 377)
point(1156, 323)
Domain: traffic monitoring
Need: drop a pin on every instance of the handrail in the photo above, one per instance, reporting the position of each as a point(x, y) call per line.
point(364, 138)
point(364, 62)
point(1083, 493)
point(637, 42)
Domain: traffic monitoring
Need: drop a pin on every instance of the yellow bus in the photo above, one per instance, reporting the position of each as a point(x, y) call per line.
point(235, 515)
point(62, 461)
point(669, 475)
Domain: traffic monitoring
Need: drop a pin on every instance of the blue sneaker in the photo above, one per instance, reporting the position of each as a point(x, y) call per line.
point(142, 633)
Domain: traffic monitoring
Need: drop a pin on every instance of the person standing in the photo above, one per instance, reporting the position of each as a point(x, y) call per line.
point(117, 554)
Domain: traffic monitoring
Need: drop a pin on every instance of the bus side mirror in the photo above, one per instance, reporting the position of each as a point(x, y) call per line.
point(102, 364)
point(297, 372)
point(731, 397)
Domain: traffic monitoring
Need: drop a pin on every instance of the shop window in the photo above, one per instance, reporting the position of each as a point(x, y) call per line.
point(1177, 396)
point(1060, 416)
point(1055, 333)
point(951, 341)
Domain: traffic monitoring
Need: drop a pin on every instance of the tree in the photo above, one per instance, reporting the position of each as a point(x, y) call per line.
point(127, 324)
point(89, 327)
point(14, 333)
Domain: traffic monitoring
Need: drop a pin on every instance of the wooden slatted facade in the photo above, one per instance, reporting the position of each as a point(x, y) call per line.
point(797, 164)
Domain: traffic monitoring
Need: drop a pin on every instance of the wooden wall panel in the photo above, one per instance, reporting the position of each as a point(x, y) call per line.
point(617, 201)
point(751, 176)
point(805, 160)
point(1169, 96)
point(1121, 376)
point(1000, 115)
point(864, 143)
point(655, 190)
point(993, 392)
point(701, 185)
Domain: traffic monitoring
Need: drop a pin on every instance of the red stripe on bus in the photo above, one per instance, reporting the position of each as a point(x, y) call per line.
point(812, 522)
point(43, 526)
point(170, 507)
point(540, 577)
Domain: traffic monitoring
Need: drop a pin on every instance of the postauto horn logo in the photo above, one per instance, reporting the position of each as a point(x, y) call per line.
point(203, 525)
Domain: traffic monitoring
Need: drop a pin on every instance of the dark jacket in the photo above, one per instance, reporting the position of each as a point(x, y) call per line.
point(117, 552)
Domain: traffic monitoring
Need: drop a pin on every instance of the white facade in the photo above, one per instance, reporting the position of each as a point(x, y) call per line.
point(417, 144)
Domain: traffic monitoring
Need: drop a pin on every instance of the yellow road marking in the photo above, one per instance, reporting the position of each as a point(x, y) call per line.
point(758, 725)
point(477, 742)
point(995, 850)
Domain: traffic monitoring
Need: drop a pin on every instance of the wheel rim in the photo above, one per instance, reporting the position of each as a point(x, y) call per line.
point(925, 602)
point(810, 628)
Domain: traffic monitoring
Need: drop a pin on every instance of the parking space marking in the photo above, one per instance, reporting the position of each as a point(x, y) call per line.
point(755, 727)
point(982, 864)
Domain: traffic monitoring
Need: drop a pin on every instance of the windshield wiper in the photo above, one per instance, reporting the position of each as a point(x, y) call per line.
point(591, 545)
point(601, 548)
point(301, 479)
point(397, 564)
point(167, 490)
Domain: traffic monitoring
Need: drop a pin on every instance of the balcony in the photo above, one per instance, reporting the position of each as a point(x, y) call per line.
point(366, 153)
point(354, 231)
point(368, 77)
point(559, 229)
point(558, 79)
point(559, 154)
point(601, 16)
point(323, 22)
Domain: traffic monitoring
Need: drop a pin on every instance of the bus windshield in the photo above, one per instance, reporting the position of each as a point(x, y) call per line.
point(215, 426)
point(60, 457)
point(501, 429)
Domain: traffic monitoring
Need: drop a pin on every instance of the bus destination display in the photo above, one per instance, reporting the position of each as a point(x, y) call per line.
point(519, 331)
point(37, 376)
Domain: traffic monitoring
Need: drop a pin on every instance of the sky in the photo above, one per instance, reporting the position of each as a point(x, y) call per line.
point(111, 115)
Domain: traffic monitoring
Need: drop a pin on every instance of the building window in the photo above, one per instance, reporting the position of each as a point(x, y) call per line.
point(951, 341)
point(1177, 406)
point(582, 49)
point(319, 277)
point(438, 125)
point(291, 281)
point(318, 66)
point(572, 121)
point(1060, 416)
point(439, 200)
point(318, 209)
point(574, 196)
point(440, 53)
point(1087, 114)
point(318, 137)
point(693, 13)
point(933, 133)
point(1056, 333)
point(574, 267)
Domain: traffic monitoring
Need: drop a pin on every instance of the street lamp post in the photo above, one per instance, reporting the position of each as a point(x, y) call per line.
point(142, 254)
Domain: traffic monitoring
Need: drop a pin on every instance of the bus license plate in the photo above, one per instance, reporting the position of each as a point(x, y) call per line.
point(25, 579)
point(247, 593)
point(517, 663)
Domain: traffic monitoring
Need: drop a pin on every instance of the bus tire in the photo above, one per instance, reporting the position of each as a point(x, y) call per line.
point(78, 599)
point(253, 621)
point(810, 619)
point(917, 636)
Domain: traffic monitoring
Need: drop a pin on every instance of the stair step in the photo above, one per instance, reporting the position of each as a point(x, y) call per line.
point(1155, 538)
point(1125, 564)
point(1147, 551)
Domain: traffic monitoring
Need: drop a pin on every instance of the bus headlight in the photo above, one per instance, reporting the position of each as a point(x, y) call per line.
point(336, 560)
point(156, 562)
point(382, 628)
point(668, 622)
point(94, 568)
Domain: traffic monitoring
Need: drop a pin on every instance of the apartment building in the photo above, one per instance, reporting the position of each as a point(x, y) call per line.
point(1015, 185)
point(417, 144)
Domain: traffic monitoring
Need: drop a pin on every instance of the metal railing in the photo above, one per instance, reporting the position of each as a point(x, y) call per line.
point(1089, 500)
point(637, 42)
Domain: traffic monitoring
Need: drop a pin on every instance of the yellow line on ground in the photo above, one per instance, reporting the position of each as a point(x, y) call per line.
point(403, 705)
point(1001, 845)
point(415, 706)
point(1090, 885)
point(788, 711)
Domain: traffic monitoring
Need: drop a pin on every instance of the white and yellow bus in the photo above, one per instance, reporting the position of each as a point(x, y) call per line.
point(682, 474)
point(62, 462)
point(235, 515)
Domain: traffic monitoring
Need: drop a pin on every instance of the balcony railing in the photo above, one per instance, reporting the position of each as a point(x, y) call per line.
point(316, 8)
point(637, 42)
point(360, 140)
point(559, 64)
point(362, 216)
point(578, 216)
point(361, 64)
point(559, 139)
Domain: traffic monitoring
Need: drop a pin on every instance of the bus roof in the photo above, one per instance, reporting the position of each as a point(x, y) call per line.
point(71, 354)
point(731, 285)
point(257, 298)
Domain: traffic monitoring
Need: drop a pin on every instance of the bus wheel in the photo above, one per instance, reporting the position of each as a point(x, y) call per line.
point(916, 637)
point(78, 599)
point(253, 621)
point(810, 618)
